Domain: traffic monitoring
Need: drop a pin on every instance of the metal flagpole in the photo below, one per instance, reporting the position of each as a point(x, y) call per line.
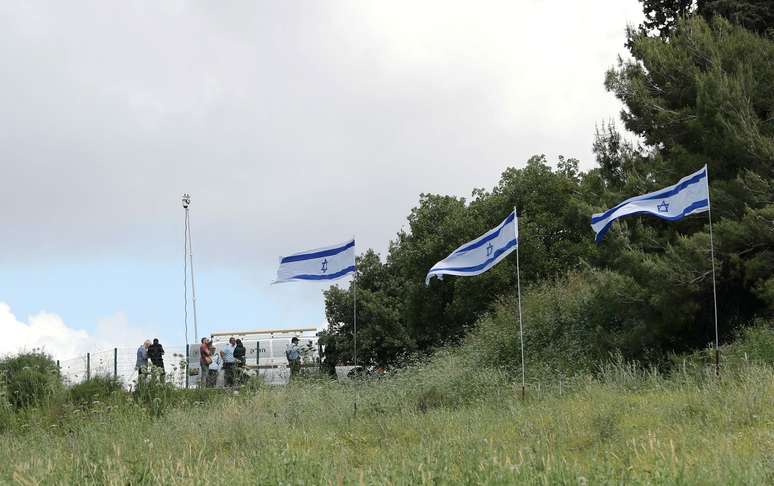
point(190, 259)
point(185, 273)
point(714, 287)
point(521, 326)
point(354, 333)
point(354, 313)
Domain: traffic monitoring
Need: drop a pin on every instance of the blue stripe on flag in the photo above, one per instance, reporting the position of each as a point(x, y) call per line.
point(476, 268)
point(661, 195)
point(494, 235)
point(697, 205)
point(332, 276)
point(317, 254)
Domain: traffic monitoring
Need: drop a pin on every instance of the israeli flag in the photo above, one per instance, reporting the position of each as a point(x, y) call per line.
point(329, 263)
point(689, 196)
point(481, 254)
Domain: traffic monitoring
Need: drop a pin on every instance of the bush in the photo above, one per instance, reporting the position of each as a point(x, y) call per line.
point(30, 379)
point(99, 388)
point(754, 343)
point(152, 392)
point(6, 412)
point(569, 325)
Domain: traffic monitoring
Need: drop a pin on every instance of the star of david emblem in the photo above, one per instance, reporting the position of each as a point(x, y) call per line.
point(489, 250)
point(324, 266)
point(663, 207)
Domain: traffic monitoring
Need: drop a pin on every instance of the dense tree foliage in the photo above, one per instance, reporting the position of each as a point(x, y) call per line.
point(698, 93)
point(398, 313)
point(661, 16)
point(704, 97)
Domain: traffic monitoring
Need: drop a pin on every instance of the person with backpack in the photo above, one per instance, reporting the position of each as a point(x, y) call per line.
point(293, 354)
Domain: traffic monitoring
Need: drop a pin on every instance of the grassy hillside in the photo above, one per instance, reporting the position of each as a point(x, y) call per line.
point(624, 424)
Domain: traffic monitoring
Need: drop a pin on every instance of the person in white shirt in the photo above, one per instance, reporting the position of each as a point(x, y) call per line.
point(229, 361)
point(214, 369)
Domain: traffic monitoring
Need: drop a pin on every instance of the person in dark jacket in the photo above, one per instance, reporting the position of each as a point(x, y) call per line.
point(241, 360)
point(239, 353)
point(156, 355)
point(331, 359)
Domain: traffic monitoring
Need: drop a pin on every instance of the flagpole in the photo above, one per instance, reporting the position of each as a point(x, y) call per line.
point(714, 286)
point(354, 333)
point(354, 313)
point(521, 326)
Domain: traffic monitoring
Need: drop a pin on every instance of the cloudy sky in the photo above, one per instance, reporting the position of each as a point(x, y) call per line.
point(292, 125)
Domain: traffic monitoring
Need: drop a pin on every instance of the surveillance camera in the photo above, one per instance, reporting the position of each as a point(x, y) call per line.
point(186, 200)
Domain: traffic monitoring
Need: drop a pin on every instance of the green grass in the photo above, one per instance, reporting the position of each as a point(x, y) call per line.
point(452, 419)
point(621, 425)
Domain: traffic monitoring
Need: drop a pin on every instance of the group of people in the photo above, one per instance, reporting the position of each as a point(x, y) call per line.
point(231, 359)
point(153, 353)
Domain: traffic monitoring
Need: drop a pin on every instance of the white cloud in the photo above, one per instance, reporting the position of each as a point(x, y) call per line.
point(48, 332)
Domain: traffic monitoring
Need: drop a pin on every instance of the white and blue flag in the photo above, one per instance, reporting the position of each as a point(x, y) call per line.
point(478, 256)
point(689, 196)
point(322, 264)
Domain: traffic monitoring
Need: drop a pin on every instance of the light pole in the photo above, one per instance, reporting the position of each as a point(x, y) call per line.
point(186, 203)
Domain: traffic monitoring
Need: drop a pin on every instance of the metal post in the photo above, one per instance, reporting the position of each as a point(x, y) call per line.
point(187, 354)
point(354, 322)
point(58, 370)
point(88, 366)
point(521, 326)
point(115, 363)
point(714, 288)
point(354, 314)
point(190, 259)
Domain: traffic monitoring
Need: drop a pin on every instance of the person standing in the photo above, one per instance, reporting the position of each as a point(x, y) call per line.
point(141, 365)
point(331, 358)
point(229, 361)
point(205, 358)
point(214, 368)
point(240, 355)
point(156, 355)
point(293, 354)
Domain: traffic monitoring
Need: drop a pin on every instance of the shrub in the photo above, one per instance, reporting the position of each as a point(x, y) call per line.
point(97, 388)
point(30, 379)
point(6, 412)
point(754, 343)
point(569, 325)
point(152, 392)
